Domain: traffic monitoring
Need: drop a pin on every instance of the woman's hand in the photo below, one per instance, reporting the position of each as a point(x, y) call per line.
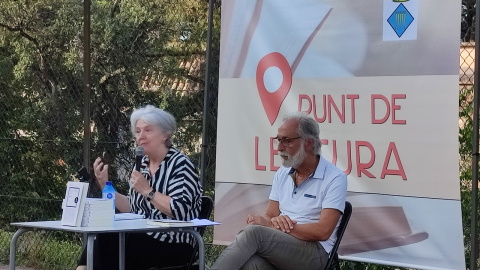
point(101, 172)
point(139, 183)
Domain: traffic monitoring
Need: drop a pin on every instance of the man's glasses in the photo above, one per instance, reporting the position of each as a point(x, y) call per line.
point(285, 141)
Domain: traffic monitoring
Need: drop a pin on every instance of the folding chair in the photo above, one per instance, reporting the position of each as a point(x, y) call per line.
point(333, 261)
point(207, 207)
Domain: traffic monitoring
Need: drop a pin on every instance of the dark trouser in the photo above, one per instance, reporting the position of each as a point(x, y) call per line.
point(141, 252)
point(258, 247)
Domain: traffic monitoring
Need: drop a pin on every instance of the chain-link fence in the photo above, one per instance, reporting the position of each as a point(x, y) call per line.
point(142, 52)
point(466, 96)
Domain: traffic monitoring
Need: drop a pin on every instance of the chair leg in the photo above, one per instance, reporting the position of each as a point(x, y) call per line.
point(336, 262)
point(194, 257)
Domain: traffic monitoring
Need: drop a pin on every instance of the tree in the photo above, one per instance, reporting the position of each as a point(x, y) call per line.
point(41, 56)
point(468, 20)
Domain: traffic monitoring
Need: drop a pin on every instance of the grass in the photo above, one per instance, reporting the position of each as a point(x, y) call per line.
point(41, 250)
point(5, 238)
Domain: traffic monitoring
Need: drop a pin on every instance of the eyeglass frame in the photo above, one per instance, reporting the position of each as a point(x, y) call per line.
point(286, 142)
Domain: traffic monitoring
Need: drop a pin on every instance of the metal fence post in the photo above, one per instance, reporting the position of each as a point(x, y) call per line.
point(86, 84)
point(205, 93)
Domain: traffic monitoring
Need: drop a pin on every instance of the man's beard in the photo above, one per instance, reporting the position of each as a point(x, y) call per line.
point(295, 160)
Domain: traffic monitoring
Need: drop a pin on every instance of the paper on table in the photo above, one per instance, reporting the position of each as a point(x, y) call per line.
point(169, 223)
point(196, 221)
point(204, 222)
point(126, 216)
point(180, 223)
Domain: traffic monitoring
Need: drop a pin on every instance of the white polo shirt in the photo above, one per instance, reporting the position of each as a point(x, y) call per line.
point(325, 188)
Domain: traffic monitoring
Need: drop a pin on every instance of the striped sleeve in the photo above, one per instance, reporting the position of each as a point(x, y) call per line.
point(184, 189)
point(177, 177)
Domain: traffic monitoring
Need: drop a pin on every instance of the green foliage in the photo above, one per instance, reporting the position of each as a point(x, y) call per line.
point(41, 105)
point(142, 52)
point(5, 246)
point(466, 161)
point(42, 251)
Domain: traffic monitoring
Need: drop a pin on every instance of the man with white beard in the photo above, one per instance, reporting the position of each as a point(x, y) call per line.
point(306, 202)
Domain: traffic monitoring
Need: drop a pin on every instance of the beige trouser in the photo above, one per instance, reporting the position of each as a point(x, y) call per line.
point(258, 247)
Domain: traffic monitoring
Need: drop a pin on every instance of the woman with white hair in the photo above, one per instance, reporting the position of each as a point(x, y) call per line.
point(166, 186)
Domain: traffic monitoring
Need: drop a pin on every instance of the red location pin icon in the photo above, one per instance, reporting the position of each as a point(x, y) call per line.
point(272, 101)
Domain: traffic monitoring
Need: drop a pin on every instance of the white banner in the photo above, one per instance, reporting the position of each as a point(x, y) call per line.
point(381, 79)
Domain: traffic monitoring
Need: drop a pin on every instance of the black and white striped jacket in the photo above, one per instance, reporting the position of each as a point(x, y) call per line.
point(176, 177)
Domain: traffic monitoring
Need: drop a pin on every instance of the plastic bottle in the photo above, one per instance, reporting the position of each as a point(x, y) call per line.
point(108, 192)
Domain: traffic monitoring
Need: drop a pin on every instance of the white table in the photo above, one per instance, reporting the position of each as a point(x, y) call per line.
point(121, 227)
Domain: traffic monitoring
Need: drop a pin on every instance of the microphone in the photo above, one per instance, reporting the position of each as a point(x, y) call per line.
point(139, 153)
point(84, 175)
